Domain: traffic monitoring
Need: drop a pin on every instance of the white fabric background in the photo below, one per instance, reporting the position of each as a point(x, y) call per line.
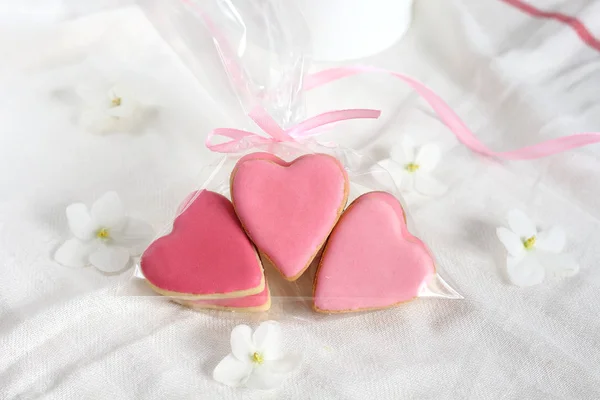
point(514, 80)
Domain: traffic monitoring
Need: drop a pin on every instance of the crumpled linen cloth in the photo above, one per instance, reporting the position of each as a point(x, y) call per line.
point(514, 79)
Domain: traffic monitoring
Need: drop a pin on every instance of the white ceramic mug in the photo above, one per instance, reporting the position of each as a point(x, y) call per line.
point(349, 29)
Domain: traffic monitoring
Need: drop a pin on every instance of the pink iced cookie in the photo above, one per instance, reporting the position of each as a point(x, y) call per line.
point(206, 256)
point(252, 303)
point(371, 260)
point(289, 209)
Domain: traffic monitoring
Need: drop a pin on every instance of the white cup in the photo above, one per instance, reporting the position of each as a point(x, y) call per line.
point(350, 29)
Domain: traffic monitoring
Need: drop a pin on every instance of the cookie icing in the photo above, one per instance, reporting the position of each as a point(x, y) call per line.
point(289, 209)
point(206, 255)
point(371, 260)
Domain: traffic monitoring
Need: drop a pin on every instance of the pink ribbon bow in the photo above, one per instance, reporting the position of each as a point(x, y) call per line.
point(241, 139)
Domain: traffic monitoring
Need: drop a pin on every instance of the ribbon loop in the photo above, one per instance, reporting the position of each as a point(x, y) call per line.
point(305, 129)
point(309, 127)
point(260, 116)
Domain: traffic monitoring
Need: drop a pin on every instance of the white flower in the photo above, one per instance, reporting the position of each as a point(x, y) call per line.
point(533, 254)
point(256, 360)
point(104, 236)
point(411, 167)
point(109, 109)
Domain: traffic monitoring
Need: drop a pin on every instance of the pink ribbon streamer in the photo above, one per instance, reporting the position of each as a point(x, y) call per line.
point(453, 121)
point(226, 53)
point(575, 24)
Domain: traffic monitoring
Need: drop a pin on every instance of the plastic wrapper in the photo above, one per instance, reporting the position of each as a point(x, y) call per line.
point(262, 51)
point(295, 298)
point(243, 33)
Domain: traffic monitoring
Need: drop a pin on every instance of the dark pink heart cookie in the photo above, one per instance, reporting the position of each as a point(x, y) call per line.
point(207, 255)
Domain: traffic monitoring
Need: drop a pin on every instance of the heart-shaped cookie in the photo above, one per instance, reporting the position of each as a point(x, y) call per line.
point(253, 303)
point(371, 261)
point(289, 209)
point(207, 255)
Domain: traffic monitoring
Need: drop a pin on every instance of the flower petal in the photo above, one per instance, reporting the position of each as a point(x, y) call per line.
point(427, 185)
point(128, 102)
point(264, 379)
point(231, 371)
point(108, 211)
point(120, 112)
point(75, 253)
point(511, 241)
point(408, 148)
point(406, 181)
point(136, 235)
point(120, 90)
point(520, 224)
point(268, 341)
point(398, 154)
point(110, 258)
point(391, 166)
point(127, 109)
point(97, 120)
point(526, 270)
point(428, 157)
point(552, 240)
point(559, 265)
point(241, 342)
point(91, 95)
point(80, 221)
point(285, 364)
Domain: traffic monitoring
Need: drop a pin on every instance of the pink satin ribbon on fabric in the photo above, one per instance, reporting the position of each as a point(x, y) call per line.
point(443, 110)
point(453, 121)
point(582, 31)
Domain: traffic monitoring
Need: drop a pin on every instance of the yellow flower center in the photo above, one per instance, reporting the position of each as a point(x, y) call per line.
point(529, 243)
point(103, 234)
point(257, 358)
point(116, 102)
point(411, 167)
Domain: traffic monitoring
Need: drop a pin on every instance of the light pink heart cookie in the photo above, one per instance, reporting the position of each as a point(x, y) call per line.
point(253, 303)
point(289, 209)
point(207, 255)
point(371, 261)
